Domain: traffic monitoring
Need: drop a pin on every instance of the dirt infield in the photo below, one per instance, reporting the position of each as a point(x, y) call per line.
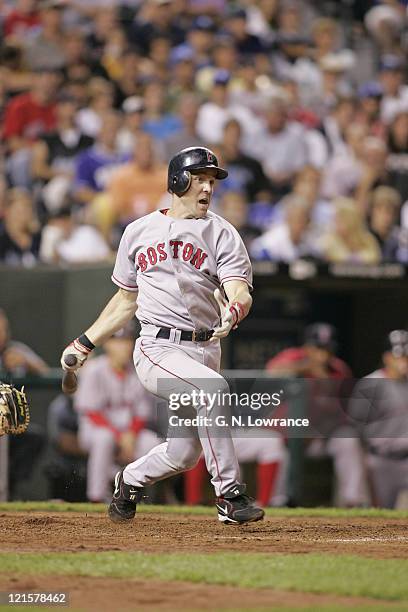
point(59, 532)
point(151, 532)
point(108, 595)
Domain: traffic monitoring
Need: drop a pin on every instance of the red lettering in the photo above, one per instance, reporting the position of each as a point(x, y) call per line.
point(188, 251)
point(152, 255)
point(176, 244)
point(141, 262)
point(161, 251)
point(198, 259)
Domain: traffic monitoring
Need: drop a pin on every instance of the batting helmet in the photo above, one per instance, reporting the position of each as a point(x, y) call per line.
point(187, 162)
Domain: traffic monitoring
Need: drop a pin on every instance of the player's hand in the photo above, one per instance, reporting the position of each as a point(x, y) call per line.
point(229, 317)
point(14, 359)
point(77, 349)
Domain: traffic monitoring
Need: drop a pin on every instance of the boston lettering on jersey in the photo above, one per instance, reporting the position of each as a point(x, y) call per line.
point(178, 250)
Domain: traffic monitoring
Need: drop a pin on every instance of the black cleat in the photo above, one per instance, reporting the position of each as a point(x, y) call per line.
point(125, 497)
point(235, 507)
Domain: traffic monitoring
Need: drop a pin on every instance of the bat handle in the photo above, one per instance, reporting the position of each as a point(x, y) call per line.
point(69, 379)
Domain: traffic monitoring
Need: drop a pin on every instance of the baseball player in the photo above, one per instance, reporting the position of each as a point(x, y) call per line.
point(379, 407)
point(114, 411)
point(187, 272)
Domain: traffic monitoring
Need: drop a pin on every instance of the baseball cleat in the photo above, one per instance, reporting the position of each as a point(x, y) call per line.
point(235, 507)
point(125, 497)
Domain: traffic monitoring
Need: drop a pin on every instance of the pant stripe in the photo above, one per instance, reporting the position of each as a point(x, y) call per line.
point(189, 383)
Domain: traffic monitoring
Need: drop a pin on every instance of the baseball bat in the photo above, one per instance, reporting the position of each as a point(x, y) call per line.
point(69, 379)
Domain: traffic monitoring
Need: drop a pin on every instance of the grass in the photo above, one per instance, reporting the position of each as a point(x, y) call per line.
point(346, 575)
point(46, 506)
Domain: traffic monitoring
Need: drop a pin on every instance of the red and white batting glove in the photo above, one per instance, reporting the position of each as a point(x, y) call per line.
point(79, 350)
point(231, 316)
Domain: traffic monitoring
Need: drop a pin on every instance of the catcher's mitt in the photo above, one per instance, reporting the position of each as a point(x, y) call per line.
point(14, 410)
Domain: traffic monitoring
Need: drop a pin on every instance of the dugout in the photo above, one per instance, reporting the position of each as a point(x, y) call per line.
point(48, 306)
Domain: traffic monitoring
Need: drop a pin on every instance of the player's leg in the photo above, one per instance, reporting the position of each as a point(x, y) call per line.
point(99, 442)
point(349, 467)
point(268, 452)
point(168, 370)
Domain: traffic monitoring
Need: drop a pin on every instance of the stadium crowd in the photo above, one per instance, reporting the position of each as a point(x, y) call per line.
point(305, 103)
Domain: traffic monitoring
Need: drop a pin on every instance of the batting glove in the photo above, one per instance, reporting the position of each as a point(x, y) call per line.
point(231, 315)
point(80, 351)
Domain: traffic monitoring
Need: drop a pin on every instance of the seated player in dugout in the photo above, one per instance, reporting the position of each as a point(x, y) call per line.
point(171, 266)
point(316, 359)
point(18, 359)
point(114, 413)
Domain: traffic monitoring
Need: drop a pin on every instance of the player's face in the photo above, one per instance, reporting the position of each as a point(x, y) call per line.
point(397, 366)
point(119, 351)
point(198, 197)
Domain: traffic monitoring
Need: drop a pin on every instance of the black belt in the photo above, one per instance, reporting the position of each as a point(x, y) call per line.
point(198, 335)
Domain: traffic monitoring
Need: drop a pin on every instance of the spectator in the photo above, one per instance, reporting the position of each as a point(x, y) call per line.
point(343, 172)
point(95, 165)
point(334, 81)
point(66, 466)
point(249, 91)
point(187, 136)
point(132, 127)
point(45, 49)
point(373, 171)
point(136, 188)
point(17, 358)
point(26, 117)
point(21, 21)
point(113, 413)
point(155, 19)
point(105, 20)
point(247, 44)
point(20, 231)
point(349, 241)
point(15, 77)
point(127, 83)
point(214, 113)
point(234, 208)
point(78, 62)
point(289, 239)
point(395, 90)
point(397, 160)
point(182, 77)
point(54, 154)
point(156, 66)
point(282, 150)
point(66, 241)
point(316, 359)
point(379, 408)
point(101, 95)
point(157, 122)
point(306, 186)
point(370, 95)
point(200, 39)
point(383, 223)
point(335, 124)
point(245, 174)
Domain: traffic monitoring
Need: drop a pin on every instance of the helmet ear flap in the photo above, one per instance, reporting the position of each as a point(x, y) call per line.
point(181, 182)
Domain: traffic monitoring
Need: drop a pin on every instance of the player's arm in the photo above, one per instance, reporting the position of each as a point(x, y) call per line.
point(118, 311)
point(233, 309)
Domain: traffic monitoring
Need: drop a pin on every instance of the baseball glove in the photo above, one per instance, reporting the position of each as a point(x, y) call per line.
point(14, 410)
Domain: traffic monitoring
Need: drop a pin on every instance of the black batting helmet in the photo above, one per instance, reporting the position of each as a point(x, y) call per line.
point(187, 162)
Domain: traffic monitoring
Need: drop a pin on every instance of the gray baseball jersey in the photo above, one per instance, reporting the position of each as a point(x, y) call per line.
point(118, 397)
point(176, 264)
